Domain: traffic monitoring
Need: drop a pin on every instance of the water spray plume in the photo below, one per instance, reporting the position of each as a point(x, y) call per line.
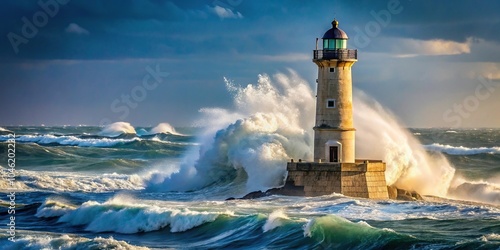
point(272, 123)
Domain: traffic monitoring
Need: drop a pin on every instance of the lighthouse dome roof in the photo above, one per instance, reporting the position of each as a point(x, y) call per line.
point(335, 32)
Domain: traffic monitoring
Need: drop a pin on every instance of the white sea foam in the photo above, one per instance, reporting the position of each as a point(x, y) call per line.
point(164, 128)
point(156, 139)
point(51, 241)
point(72, 140)
point(63, 182)
point(3, 129)
point(274, 220)
point(480, 191)
point(373, 210)
point(274, 112)
point(274, 121)
point(490, 237)
point(123, 215)
point(54, 208)
point(117, 128)
point(6, 184)
point(380, 136)
point(461, 150)
point(307, 228)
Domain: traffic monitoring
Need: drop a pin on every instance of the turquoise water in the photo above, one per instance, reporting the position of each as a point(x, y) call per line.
point(77, 187)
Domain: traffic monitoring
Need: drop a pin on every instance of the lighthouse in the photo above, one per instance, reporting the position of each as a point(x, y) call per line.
point(334, 128)
point(335, 168)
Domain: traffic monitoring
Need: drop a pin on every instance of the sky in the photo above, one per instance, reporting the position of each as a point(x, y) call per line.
point(71, 62)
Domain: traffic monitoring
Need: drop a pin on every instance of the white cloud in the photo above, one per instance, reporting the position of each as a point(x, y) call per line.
point(413, 47)
point(76, 29)
point(226, 13)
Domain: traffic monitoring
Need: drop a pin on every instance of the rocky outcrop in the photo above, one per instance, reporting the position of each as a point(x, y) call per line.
point(402, 194)
point(288, 190)
point(394, 193)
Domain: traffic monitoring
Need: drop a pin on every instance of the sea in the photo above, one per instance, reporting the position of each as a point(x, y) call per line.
point(124, 186)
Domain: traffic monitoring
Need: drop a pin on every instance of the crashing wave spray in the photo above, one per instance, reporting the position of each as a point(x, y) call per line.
point(164, 128)
point(409, 166)
point(275, 117)
point(117, 129)
point(274, 121)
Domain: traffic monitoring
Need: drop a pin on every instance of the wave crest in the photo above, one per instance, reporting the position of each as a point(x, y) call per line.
point(119, 215)
point(164, 128)
point(51, 241)
point(338, 233)
point(70, 140)
point(117, 129)
point(274, 220)
point(461, 150)
point(274, 112)
point(480, 191)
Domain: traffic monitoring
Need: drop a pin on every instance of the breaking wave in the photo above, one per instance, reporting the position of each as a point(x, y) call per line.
point(124, 215)
point(62, 182)
point(274, 220)
point(480, 191)
point(52, 241)
point(73, 140)
point(461, 150)
point(273, 125)
point(338, 233)
point(117, 129)
point(379, 135)
point(270, 131)
point(164, 128)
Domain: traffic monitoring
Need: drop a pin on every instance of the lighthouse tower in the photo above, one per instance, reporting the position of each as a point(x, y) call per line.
point(334, 129)
point(335, 168)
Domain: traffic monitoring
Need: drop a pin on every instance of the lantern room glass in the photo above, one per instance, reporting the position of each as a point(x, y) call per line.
point(330, 44)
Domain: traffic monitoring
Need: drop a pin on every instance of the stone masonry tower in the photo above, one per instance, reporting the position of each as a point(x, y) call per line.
point(334, 129)
point(335, 168)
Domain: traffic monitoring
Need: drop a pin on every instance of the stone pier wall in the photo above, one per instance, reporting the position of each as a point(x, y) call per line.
point(361, 179)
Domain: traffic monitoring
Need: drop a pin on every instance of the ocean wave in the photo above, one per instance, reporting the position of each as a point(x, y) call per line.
point(156, 139)
point(375, 210)
point(269, 133)
point(273, 126)
point(338, 233)
point(122, 215)
point(104, 142)
point(274, 220)
point(164, 128)
point(28, 240)
point(490, 237)
point(71, 140)
point(480, 191)
point(54, 208)
point(409, 165)
point(117, 129)
point(63, 182)
point(123, 128)
point(461, 150)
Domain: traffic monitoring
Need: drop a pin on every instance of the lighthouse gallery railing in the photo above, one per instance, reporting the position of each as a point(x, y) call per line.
point(335, 54)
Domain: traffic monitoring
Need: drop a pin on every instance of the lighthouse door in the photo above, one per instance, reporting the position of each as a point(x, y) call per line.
point(334, 154)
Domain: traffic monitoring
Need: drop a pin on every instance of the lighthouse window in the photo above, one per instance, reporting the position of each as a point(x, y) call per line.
point(332, 69)
point(330, 103)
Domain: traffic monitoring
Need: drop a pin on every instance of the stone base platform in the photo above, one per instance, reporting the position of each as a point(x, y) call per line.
point(364, 178)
